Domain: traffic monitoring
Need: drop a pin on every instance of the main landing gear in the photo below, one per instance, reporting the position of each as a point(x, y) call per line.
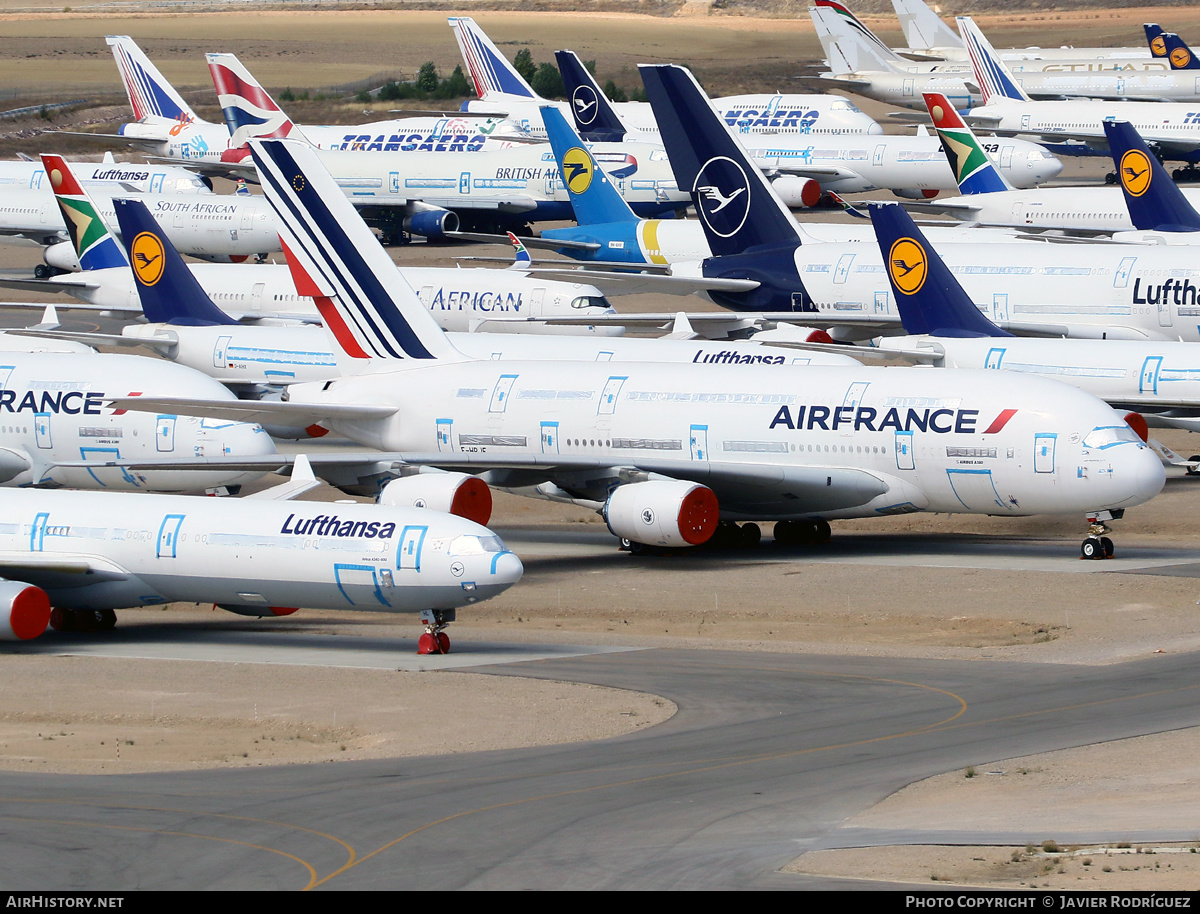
point(82, 620)
point(1097, 545)
point(435, 640)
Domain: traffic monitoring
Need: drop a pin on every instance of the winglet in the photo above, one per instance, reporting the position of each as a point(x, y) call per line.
point(973, 170)
point(595, 118)
point(95, 246)
point(1154, 201)
point(169, 293)
point(847, 207)
point(490, 70)
point(366, 305)
point(928, 297)
point(521, 258)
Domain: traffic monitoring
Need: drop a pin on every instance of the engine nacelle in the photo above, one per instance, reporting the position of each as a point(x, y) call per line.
point(797, 193)
point(24, 611)
point(12, 464)
point(453, 493)
point(1137, 422)
point(258, 612)
point(909, 193)
point(665, 512)
point(62, 256)
point(432, 224)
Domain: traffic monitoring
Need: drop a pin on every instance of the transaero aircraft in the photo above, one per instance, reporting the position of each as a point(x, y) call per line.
point(1159, 380)
point(1113, 291)
point(225, 228)
point(928, 35)
point(461, 299)
point(88, 553)
point(669, 450)
point(187, 328)
point(989, 200)
point(1173, 128)
point(802, 167)
point(167, 126)
point(502, 89)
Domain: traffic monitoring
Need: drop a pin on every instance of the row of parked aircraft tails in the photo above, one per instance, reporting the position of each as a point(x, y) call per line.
point(670, 439)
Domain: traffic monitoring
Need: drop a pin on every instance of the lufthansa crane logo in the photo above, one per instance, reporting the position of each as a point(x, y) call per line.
point(583, 103)
point(722, 193)
point(146, 257)
point(1135, 172)
point(577, 170)
point(1158, 47)
point(1180, 58)
point(907, 265)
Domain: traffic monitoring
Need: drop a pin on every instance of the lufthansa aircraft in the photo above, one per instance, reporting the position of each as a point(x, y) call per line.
point(669, 450)
point(88, 553)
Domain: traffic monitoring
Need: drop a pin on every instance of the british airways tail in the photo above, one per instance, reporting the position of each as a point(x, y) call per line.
point(490, 70)
point(94, 245)
point(928, 297)
point(150, 95)
point(1158, 47)
point(995, 80)
point(973, 170)
point(595, 118)
point(1154, 201)
point(593, 197)
point(1179, 54)
point(169, 293)
point(922, 27)
point(735, 203)
point(368, 308)
point(250, 112)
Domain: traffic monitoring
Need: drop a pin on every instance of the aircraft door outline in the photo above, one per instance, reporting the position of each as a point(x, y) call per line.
point(219, 350)
point(608, 396)
point(1124, 269)
point(445, 436)
point(854, 394)
point(1044, 444)
point(995, 357)
point(464, 183)
point(550, 438)
point(41, 431)
point(1150, 369)
point(168, 536)
point(37, 532)
point(500, 393)
point(905, 458)
point(394, 181)
point(164, 434)
point(881, 302)
point(1164, 312)
point(1006, 154)
point(842, 270)
point(1000, 306)
point(408, 552)
point(699, 442)
point(156, 182)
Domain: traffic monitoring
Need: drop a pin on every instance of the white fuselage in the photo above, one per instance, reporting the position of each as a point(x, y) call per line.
point(1171, 124)
point(458, 299)
point(1100, 209)
point(52, 412)
point(1117, 291)
point(778, 114)
point(248, 553)
point(771, 442)
point(285, 355)
point(112, 176)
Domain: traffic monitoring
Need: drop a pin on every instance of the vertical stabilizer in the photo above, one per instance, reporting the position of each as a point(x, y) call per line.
point(923, 28)
point(94, 244)
point(1158, 47)
point(1154, 201)
point(250, 112)
point(150, 95)
point(595, 118)
point(1179, 54)
point(490, 70)
point(592, 194)
point(996, 81)
point(973, 169)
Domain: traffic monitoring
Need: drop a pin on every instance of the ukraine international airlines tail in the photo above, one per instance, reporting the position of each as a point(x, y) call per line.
point(668, 450)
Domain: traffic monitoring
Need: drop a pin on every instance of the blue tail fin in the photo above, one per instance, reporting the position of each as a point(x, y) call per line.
point(490, 70)
point(735, 203)
point(593, 196)
point(1178, 53)
point(1153, 199)
point(1158, 47)
point(993, 76)
point(169, 292)
point(595, 118)
point(928, 297)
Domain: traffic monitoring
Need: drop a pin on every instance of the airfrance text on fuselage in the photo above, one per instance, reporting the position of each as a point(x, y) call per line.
point(831, 418)
point(59, 402)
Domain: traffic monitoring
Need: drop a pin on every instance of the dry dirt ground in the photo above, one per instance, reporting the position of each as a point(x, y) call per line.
point(77, 714)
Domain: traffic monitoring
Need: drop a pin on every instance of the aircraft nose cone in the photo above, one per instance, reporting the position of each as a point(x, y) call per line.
point(508, 569)
point(1149, 474)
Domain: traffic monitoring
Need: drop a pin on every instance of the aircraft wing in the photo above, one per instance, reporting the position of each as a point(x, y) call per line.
point(616, 283)
point(58, 569)
point(529, 242)
point(817, 172)
point(61, 284)
point(261, 411)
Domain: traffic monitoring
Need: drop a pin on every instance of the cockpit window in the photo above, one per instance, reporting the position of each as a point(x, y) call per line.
point(591, 301)
point(1107, 436)
point(476, 545)
point(842, 105)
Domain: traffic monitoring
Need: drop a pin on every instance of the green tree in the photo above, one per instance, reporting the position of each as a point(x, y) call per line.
point(615, 92)
point(427, 77)
point(457, 85)
point(523, 63)
point(547, 82)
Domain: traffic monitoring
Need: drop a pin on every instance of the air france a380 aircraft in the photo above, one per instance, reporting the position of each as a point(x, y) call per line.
point(501, 89)
point(668, 450)
point(167, 126)
point(88, 553)
point(461, 299)
point(1113, 291)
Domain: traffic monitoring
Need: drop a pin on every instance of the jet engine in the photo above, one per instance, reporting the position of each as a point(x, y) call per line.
point(797, 193)
point(431, 224)
point(24, 611)
point(909, 193)
point(260, 612)
point(454, 493)
point(673, 513)
point(62, 257)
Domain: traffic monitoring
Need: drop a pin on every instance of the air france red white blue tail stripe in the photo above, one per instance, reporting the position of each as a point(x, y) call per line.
point(150, 95)
point(490, 70)
point(368, 308)
point(250, 112)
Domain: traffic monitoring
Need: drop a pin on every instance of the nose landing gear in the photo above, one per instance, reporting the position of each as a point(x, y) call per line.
point(1098, 545)
point(435, 640)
